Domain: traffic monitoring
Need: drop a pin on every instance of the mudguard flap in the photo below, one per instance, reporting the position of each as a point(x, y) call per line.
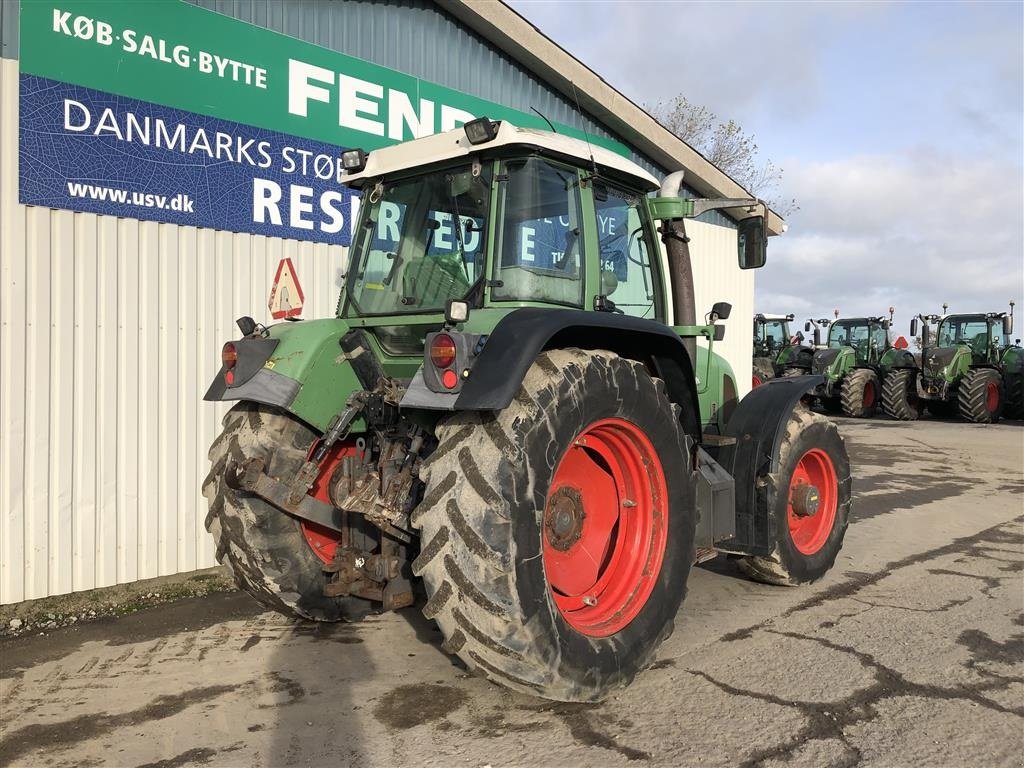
point(759, 426)
point(309, 370)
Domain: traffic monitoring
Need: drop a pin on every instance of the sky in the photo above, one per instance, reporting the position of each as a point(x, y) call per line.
point(899, 128)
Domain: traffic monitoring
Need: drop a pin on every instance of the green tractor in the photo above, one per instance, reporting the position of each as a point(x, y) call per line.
point(855, 361)
point(776, 350)
point(511, 407)
point(972, 369)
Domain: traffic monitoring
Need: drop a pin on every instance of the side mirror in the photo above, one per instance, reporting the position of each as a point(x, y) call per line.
point(1007, 325)
point(721, 310)
point(817, 337)
point(913, 327)
point(752, 243)
point(807, 326)
point(925, 334)
point(885, 325)
point(800, 337)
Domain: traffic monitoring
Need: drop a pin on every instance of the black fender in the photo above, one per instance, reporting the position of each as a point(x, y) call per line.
point(759, 425)
point(522, 334)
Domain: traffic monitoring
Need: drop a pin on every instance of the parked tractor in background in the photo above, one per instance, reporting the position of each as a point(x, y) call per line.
point(855, 361)
point(970, 368)
point(776, 350)
point(514, 409)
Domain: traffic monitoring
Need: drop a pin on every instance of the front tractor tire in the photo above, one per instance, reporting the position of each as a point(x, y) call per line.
point(558, 534)
point(266, 549)
point(981, 396)
point(859, 393)
point(809, 498)
point(899, 395)
point(762, 371)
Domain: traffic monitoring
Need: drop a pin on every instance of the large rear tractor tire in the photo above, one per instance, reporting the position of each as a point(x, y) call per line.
point(267, 551)
point(558, 534)
point(762, 371)
point(860, 393)
point(899, 395)
point(981, 397)
point(810, 499)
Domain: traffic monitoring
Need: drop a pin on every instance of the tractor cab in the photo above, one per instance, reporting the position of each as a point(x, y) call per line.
point(868, 337)
point(771, 334)
point(982, 335)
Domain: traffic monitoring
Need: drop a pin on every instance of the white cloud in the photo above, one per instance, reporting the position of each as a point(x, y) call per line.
point(908, 230)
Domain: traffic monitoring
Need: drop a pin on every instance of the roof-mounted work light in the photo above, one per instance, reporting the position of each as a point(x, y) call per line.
point(481, 130)
point(354, 160)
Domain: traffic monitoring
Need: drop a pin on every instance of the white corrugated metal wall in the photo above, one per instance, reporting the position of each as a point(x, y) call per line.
point(111, 331)
point(718, 277)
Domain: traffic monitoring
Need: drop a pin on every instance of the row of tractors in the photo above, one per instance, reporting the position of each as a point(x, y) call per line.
point(967, 364)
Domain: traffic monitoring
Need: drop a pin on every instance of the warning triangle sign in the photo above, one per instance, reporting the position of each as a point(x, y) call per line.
point(286, 297)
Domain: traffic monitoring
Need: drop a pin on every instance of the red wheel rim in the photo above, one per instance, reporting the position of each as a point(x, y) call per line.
point(605, 527)
point(813, 501)
point(869, 394)
point(992, 397)
point(323, 541)
point(756, 382)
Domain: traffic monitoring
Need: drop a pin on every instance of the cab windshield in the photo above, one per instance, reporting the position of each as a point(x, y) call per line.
point(962, 331)
point(846, 334)
point(422, 241)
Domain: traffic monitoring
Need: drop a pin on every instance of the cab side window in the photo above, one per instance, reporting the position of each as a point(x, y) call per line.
point(627, 274)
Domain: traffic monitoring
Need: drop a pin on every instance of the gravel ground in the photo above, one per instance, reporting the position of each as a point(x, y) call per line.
point(911, 652)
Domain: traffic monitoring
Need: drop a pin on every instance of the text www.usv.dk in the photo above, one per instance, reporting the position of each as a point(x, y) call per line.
point(180, 202)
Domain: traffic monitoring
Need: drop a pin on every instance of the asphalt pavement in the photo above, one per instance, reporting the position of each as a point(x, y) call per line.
point(911, 652)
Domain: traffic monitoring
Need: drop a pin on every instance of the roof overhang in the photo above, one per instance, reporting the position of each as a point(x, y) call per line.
point(513, 34)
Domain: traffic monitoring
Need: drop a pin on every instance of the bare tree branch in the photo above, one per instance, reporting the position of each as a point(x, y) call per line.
point(728, 146)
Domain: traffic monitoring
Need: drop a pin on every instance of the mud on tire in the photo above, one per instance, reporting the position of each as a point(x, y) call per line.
point(899, 395)
point(859, 393)
point(762, 371)
point(482, 559)
point(264, 547)
point(787, 564)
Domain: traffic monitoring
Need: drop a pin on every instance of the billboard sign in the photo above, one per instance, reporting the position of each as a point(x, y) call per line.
point(165, 111)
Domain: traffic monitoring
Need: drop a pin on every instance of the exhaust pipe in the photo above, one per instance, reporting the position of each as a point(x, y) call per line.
point(677, 248)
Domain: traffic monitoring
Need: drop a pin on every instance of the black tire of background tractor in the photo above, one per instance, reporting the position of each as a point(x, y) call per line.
point(854, 395)
point(972, 397)
point(262, 546)
point(787, 566)
point(481, 555)
point(762, 371)
point(1014, 396)
point(899, 395)
point(942, 409)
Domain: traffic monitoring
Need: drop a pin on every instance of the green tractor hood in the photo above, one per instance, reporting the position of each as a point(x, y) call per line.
point(300, 367)
point(833, 363)
point(947, 363)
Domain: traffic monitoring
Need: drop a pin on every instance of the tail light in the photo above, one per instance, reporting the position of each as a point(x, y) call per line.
point(442, 350)
point(229, 357)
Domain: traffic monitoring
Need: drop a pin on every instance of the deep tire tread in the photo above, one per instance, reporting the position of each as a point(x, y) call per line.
point(972, 396)
point(467, 564)
point(781, 567)
point(851, 393)
point(262, 546)
point(899, 395)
